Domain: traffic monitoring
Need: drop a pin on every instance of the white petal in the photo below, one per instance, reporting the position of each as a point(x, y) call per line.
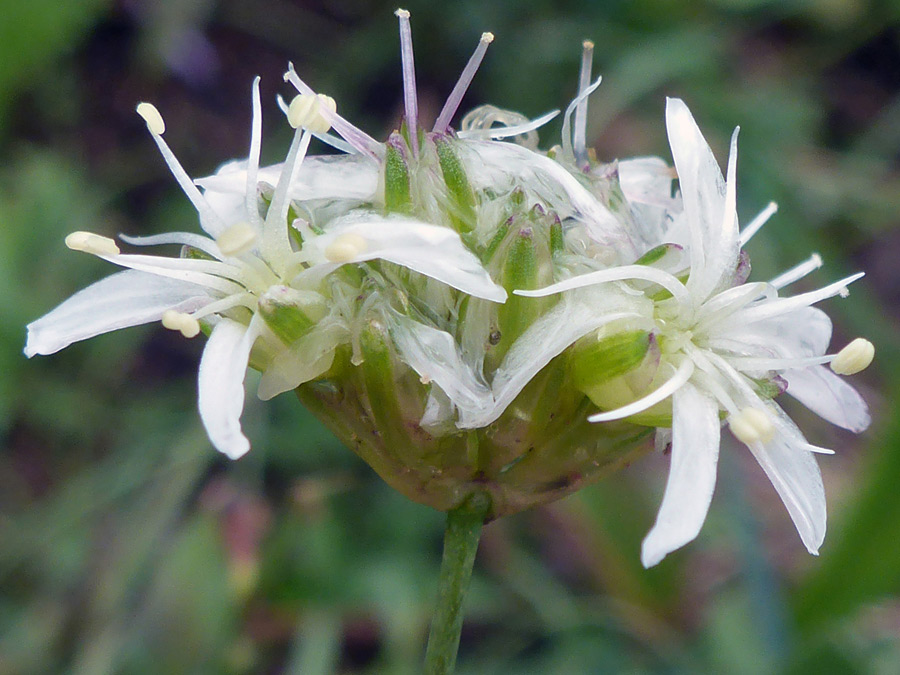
point(780, 306)
point(432, 250)
point(571, 319)
point(692, 475)
point(435, 356)
point(124, 299)
point(794, 473)
point(708, 202)
point(829, 396)
point(307, 359)
point(221, 385)
point(647, 180)
point(319, 177)
point(197, 241)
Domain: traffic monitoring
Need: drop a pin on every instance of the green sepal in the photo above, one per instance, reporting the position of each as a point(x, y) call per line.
point(461, 196)
point(291, 313)
point(595, 361)
point(397, 191)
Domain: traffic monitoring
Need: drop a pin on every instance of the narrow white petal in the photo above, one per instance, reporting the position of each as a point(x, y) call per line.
point(221, 385)
point(829, 396)
point(567, 136)
point(435, 356)
point(318, 177)
point(124, 299)
point(802, 333)
point(197, 241)
point(250, 195)
point(570, 320)
point(682, 374)
point(623, 273)
point(305, 360)
point(507, 132)
point(692, 475)
point(432, 250)
point(780, 306)
point(794, 473)
point(201, 272)
point(708, 200)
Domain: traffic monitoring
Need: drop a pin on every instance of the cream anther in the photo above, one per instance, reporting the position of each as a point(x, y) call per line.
point(237, 239)
point(487, 37)
point(402, 14)
point(304, 112)
point(95, 244)
point(345, 248)
point(853, 358)
point(183, 323)
point(151, 116)
point(752, 425)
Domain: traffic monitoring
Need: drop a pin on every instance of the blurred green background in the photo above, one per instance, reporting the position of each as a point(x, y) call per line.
point(128, 546)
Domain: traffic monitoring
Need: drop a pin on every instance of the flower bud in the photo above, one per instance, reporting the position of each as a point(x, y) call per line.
point(397, 192)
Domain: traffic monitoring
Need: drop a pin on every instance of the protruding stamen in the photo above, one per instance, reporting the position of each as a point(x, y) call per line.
point(462, 84)
point(410, 97)
point(355, 136)
point(760, 220)
point(237, 239)
point(183, 323)
point(584, 81)
point(95, 244)
point(154, 120)
point(345, 248)
point(853, 358)
point(752, 425)
point(798, 272)
point(305, 112)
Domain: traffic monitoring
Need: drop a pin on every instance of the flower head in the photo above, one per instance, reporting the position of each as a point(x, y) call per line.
point(702, 343)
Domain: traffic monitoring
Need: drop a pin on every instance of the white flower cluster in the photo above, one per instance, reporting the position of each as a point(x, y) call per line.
point(642, 291)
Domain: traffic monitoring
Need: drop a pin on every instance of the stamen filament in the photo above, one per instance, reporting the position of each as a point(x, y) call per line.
point(462, 84)
point(584, 81)
point(410, 96)
point(275, 231)
point(761, 219)
point(356, 137)
point(253, 159)
point(798, 272)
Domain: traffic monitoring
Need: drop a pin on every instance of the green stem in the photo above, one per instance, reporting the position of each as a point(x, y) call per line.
point(460, 544)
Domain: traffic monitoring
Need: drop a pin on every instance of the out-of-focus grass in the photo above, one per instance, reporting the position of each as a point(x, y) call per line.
point(126, 545)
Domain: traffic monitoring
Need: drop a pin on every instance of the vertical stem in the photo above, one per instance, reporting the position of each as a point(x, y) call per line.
point(460, 544)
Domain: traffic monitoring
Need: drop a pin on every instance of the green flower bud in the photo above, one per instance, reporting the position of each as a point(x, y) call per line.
point(397, 194)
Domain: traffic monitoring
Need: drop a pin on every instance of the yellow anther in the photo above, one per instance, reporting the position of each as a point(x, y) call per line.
point(305, 112)
point(587, 44)
point(402, 14)
point(151, 116)
point(487, 37)
point(853, 358)
point(752, 425)
point(236, 239)
point(183, 323)
point(95, 244)
point(345, 248)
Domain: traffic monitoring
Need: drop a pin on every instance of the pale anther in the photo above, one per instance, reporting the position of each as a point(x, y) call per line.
point(151, 116)
point(183, 323)
point(487, 37)
point(752, 425)
point(305, 112)
point(95, 244)
point(345, 248)
point(853, 358)
point(237, 239)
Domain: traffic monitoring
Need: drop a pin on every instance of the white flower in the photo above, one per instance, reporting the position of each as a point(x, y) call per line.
point(724, 346)
point(248, 262)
